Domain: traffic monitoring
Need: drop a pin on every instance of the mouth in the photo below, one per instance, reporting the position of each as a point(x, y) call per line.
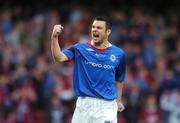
point(96, 35)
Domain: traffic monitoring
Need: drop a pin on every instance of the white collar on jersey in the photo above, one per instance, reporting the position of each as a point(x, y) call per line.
point(109, 44)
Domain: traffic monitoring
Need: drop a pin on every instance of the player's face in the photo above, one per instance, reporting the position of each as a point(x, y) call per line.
point(99, 32)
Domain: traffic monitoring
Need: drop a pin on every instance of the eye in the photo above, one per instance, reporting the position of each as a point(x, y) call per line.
point(99, 27)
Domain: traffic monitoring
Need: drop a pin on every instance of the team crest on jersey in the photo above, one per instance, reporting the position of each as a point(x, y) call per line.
point(112, 57)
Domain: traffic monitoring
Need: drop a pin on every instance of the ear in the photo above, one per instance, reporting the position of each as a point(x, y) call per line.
point(108, 32)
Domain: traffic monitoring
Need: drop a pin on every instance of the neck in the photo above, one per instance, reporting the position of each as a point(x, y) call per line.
point(102, 45)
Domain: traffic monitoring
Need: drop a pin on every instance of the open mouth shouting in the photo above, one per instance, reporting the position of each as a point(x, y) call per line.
point(95, 35)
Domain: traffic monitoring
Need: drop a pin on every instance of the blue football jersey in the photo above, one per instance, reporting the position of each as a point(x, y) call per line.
point(95, 70)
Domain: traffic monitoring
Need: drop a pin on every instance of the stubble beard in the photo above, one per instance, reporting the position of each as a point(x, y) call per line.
point(100, 42)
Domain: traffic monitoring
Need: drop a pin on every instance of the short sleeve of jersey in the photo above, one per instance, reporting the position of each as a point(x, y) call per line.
point(69, 53)
point(121, 69)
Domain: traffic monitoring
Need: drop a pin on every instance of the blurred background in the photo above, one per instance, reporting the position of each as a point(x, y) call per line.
point(34, 89)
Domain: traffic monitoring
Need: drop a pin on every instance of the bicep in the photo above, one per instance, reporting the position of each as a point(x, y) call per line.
point(62, 57)
point(119, 83)
point(69, 54)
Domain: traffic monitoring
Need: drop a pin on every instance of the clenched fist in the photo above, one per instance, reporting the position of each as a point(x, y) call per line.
point(57, 30)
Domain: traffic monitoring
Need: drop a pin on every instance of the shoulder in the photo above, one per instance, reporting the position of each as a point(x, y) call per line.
point(80, 44)
point(117, 50)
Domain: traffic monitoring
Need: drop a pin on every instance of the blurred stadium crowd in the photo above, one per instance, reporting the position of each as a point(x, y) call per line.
point(34, 89)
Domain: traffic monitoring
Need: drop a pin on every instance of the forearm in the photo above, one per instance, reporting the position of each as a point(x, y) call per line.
point(119, 98)
point(55, 49)
point(57, 54)
point(120, 89)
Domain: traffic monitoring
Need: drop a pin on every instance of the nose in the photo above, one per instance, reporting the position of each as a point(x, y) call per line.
point(94, 29)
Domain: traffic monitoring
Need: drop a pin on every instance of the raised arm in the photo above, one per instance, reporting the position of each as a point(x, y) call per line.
point(57, 54)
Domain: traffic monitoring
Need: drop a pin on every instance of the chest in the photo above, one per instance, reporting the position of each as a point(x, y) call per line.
point(90, 56)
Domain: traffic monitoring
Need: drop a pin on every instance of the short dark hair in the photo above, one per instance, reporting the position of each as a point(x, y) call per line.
point(106, 19)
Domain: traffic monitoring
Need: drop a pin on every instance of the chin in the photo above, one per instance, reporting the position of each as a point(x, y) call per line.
point(96, 41)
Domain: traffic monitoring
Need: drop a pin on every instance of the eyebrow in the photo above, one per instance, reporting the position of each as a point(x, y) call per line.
point(99, 27)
